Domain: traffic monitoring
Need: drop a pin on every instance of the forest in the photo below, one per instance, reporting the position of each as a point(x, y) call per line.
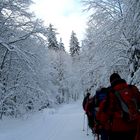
point(36, 71)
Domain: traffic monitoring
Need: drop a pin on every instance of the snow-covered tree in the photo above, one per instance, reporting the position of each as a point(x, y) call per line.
point(61, 45)
point(52, 40)
point(74, 45)
point(19, 40)
point(130, 28)
point(111, 42)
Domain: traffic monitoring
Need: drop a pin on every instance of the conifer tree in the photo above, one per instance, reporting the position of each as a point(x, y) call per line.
point(61, 45)
point(74, 45)
point(52, 41)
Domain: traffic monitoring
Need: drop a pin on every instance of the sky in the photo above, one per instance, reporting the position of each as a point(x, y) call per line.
point(63, 123)
point(65, 15)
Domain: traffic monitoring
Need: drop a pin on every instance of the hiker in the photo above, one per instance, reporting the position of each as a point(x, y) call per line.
point(119, 122)
point(86, 98)
point(91, 112)
point(87, 106)
point(99, 97)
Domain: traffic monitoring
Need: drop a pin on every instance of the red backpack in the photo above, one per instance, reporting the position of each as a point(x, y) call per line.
point(127, 99)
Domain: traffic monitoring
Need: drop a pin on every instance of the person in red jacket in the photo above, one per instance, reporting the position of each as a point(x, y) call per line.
point(88, 106)
point(110, 114)
point(85, 100)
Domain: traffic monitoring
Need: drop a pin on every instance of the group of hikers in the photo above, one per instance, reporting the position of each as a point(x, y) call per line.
point(113, 112)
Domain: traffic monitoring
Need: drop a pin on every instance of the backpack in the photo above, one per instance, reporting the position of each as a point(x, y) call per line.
point(128, 103)
point(100, 96)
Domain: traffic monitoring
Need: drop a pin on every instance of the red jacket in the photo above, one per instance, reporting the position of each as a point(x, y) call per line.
point(111, 118)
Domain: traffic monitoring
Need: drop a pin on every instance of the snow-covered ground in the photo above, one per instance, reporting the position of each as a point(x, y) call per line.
point(64, 123)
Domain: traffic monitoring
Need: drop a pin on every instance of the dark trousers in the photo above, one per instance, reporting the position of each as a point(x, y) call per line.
point(130, 135)
point(104, 134)
point(90, 121)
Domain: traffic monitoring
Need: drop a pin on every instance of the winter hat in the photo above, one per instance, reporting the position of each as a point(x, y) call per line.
point(114, 77)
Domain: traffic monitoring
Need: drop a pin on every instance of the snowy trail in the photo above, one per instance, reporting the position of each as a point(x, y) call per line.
point(64, 123)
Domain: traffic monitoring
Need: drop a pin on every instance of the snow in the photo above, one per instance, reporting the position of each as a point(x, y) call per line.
point(63, 123)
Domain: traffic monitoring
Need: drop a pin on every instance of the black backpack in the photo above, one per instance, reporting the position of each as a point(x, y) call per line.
point(100, 96)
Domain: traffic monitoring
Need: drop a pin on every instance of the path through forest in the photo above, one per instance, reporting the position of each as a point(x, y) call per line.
point(64, 123)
